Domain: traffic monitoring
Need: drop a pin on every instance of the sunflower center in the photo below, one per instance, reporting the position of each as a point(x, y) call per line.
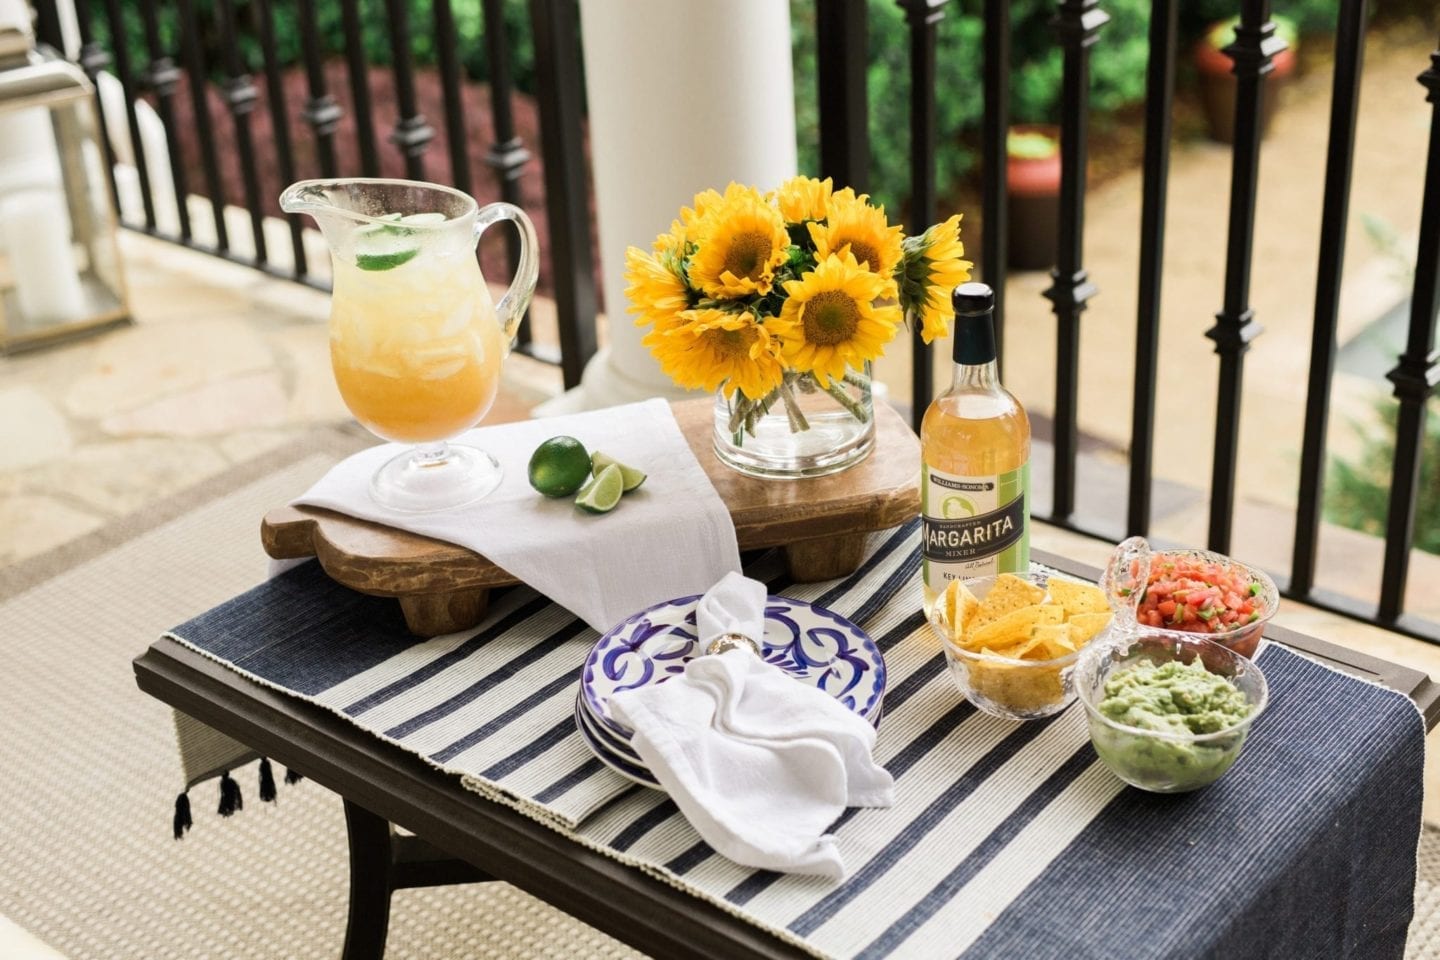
point(731, 344)
point(864, 253)
point(748, 254)
point(831, 317)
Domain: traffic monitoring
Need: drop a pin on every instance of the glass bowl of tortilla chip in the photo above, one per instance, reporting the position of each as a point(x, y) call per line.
point(1012, 641)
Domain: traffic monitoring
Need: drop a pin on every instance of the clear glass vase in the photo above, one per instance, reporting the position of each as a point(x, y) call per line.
point(801, 429)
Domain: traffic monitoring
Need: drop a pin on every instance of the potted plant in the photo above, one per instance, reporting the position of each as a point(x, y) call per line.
point(1217, 82)
point(1032, 175)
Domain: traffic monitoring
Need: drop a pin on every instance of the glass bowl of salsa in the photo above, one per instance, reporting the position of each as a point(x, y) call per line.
point(1169, 712)
point(1204, 593)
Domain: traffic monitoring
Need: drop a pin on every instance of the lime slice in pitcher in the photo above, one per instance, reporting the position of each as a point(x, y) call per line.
point(383, 247)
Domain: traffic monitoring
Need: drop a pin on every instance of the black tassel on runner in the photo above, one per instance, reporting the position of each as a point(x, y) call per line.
point(267, 781)
point(182, 815)
point(230, 799)
point(291, 777)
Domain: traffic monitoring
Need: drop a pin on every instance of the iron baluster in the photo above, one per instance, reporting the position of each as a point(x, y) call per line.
point(1077, 23)
point(1339, 162)
point(412, 133)
point(204, 125)
point(995, 126)
point(240, 96)
point(280, 123)
point(923, 16)
point(1416, 375)
point(320, 111)
point(94, 60)
point(358, 69)
point(1253, 51)
point(1159, 96)
point(506, 156)
point(841, 59)
point(567, 209)
point(455, 136)
point(162, 76)
point(116, 19)
point(47, 26)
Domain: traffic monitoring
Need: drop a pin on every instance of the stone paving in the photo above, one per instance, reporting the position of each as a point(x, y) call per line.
point(221, 365)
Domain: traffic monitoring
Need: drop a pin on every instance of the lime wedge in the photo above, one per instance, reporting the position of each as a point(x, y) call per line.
point(632, 477)
point(603, 491)
point(382, 247)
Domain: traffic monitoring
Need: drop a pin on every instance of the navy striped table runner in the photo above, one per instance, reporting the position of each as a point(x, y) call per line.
point(1006, 839)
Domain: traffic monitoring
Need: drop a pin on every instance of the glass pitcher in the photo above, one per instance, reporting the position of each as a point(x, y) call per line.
point(415, 342)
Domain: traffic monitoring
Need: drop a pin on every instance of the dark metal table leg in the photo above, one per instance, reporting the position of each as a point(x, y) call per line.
point(370, 888)
point(382, 862)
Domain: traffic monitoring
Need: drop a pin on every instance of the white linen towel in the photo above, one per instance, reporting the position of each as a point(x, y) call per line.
point(760, 764)
point(670, 538)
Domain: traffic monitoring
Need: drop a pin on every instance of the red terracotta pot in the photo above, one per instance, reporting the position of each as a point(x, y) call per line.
point(1034, 204)
point(1217, 89)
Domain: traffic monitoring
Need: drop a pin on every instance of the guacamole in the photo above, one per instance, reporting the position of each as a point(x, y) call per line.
point(1170, 698)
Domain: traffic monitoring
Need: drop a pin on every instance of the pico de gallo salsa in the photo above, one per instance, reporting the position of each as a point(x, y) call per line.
point(1199, 596)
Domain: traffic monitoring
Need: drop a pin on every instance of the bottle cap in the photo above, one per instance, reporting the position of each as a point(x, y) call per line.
point(974, 305)
point(972, 299)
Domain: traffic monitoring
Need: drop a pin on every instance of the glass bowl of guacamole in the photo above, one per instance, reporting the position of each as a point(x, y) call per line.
point(1169, 713)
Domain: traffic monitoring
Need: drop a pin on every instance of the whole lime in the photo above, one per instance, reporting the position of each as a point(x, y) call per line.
point(559, 466)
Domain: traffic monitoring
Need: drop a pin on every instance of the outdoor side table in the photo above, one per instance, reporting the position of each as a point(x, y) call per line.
point(462, 836)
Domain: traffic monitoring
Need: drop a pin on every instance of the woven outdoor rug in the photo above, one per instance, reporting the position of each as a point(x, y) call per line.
point(86, 860)
point(88, 768)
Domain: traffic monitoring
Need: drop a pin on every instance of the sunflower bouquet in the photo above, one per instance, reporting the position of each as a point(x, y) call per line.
point(763, 296)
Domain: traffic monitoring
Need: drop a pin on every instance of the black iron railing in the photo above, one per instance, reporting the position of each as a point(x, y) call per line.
point(845, 155)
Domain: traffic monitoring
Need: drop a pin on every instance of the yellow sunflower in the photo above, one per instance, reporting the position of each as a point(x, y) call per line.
point(830, 320)
point(707, 348)
point(742, 243)
point(940, 258)
point(861, 228)
point(804, 198)
point(656, 292)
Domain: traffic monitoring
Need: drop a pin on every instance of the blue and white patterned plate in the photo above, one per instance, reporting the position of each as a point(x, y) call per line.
point(628, 769)
point(811, 644)
point(621, 747)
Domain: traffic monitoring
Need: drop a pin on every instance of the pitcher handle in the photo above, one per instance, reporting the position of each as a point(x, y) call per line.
point(510, 309)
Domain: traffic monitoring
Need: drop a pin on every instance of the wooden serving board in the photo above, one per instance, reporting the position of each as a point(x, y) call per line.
point(821, 523)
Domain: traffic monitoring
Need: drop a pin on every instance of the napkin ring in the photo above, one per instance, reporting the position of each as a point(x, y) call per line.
point(732, 641)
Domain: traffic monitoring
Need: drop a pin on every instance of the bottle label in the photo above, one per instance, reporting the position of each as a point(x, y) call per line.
point(973, 526)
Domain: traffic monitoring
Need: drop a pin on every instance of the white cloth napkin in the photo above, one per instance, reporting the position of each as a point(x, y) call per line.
point(670, 538)
point(760, 764)
point(734, 605)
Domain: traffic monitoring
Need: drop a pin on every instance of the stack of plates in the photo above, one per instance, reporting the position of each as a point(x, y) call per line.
point(811, 644)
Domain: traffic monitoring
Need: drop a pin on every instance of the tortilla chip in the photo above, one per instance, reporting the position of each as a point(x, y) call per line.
point(1084, 626)
point(959, 609)
point(1057, 640)
point(1012, 628)
point(1052, 613)
point(1008, 594)
point(1078, 598)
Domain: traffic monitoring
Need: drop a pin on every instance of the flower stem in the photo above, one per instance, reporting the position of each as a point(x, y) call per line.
point(798, 423)
point(737, 413)
point(857, 380)
point(845, 400)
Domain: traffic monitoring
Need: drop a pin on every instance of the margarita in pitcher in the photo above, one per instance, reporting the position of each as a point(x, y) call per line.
point(414, 340)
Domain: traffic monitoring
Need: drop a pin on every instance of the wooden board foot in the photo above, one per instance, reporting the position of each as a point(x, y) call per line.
point(431, 614)
point(825, 558)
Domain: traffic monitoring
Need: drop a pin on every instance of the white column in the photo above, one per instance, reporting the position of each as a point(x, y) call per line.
point(684, 95)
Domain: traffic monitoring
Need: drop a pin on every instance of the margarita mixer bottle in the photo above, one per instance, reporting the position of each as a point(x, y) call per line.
point(975, 453)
